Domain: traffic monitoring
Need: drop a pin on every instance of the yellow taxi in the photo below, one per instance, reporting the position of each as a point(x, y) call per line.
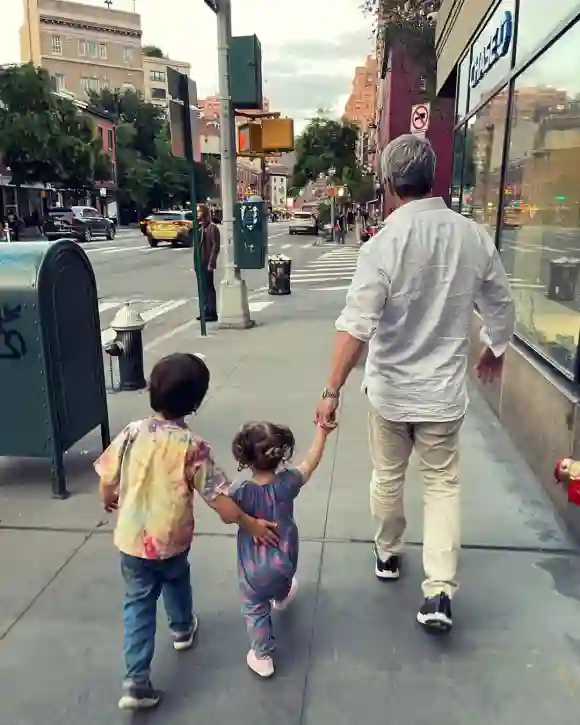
point(170, 226)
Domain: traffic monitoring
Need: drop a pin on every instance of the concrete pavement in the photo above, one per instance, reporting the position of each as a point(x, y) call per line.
point(350, 650)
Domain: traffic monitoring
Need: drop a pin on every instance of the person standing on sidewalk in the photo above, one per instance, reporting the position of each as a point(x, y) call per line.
point(411, 299)
point(209, 239)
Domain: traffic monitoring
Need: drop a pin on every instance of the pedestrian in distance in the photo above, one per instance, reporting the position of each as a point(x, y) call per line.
point(341, 227)
point(411, 301)
point(267, 575)
point(148, 475)
point(209, 241)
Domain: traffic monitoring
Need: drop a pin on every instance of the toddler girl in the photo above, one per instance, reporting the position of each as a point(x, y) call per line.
point(267, 574)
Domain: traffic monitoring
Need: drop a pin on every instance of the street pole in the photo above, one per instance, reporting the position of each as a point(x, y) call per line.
point(201, 292)
point(332, 172)
point(233, 299)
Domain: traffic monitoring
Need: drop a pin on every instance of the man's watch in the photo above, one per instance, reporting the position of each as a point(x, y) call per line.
point(328, 393)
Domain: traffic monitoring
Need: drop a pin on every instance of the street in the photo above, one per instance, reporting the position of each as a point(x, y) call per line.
point(349, 648)
point(161, 282)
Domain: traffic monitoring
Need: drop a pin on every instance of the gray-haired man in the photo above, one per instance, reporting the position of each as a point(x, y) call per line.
point(411, 299)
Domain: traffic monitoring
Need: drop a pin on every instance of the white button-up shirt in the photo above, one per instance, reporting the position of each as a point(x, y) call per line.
point(412, 296)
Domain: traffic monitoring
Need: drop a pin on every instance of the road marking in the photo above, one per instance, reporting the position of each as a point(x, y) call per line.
point(333, 264)
point(104, 306)
point(259, 306)
point(280, 234)
point(306, 280)
point(329, 289)
point(330, 273)
point(285, 246)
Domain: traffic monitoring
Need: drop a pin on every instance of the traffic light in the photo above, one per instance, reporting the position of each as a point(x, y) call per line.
point(277, 135)
point(250, 139)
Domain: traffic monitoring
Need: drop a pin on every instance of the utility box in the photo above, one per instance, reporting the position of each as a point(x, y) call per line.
point(52, 379)
point(246, 73)
point(251, 235)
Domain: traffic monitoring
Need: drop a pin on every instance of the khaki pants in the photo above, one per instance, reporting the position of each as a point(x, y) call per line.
point(436, 445)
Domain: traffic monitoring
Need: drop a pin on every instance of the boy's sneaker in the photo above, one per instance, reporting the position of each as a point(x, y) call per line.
point(435, 614)
point(388, 569)
point(261, 666)
point(139, 697)
point(283, 603)
point(185, 640)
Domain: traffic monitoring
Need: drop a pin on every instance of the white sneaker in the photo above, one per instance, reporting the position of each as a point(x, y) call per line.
point(261, 666)
point(283, 603)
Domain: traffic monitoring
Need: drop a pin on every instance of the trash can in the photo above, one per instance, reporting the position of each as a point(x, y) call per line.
point(563, 279)
point(52, 379)
point(279, 270)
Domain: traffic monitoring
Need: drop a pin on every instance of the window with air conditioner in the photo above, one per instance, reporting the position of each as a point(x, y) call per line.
point(56, 45)
point(158, 93)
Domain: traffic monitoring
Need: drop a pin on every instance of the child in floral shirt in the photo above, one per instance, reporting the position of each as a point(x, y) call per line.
point(148, 475)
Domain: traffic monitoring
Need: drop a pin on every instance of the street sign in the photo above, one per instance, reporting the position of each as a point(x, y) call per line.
point(420, 116)
point(212, 4)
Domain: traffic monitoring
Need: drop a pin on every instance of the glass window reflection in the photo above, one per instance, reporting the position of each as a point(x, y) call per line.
point(540, 239)
point(463, 88)
point(484, 141)
point(536, 22)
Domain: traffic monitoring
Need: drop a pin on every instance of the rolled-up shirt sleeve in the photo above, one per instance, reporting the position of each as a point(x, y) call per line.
point(495, 302)
point(367, 295)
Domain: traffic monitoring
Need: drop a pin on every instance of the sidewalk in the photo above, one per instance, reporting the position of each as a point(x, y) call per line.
point(350, 650)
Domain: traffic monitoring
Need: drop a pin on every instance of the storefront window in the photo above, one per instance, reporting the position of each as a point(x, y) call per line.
point(540, 239)
point(484, 140)
point(458, 146)
point(537, 20)
point(463, 88)
point(491, 55)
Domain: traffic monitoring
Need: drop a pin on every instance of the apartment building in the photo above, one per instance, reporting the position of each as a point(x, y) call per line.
point(155, 77)
point(361, 105)
point(84, 48)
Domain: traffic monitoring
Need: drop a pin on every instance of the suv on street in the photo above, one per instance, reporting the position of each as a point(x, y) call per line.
point(82, 223)
point(303, 222)
point(170, 226)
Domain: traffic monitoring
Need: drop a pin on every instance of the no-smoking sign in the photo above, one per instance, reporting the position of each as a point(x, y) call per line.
point(420, 114)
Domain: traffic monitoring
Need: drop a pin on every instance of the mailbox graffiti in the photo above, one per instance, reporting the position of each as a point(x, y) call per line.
point(13, 345)
point(249, 217)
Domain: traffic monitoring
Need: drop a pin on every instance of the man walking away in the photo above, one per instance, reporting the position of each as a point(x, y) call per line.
point(340, 227)
point(411, 299)
point(209, 240)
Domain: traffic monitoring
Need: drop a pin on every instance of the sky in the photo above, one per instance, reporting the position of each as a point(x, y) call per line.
point(310, 49)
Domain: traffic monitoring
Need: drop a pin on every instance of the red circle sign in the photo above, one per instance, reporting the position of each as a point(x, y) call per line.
point(420, 118)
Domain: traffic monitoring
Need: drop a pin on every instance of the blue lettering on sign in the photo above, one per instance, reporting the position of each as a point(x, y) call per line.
point(497, 46)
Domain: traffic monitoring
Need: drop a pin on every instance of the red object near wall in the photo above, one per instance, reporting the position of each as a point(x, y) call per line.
point(402, 89)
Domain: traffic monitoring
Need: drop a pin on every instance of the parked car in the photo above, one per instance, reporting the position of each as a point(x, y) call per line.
point(81, 223)
point(303, 222)
point(170, 226)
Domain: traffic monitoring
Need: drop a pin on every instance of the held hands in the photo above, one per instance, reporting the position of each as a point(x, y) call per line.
point(489, 367)
point(326, 413)
point(110, 499)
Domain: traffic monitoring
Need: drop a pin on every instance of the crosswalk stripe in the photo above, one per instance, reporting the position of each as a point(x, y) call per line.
point(155, 309)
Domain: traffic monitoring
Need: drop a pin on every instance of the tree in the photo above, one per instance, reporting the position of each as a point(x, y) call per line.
point(323, 145)
point(43, 137)
point(410, 23)
point(149, 175)
point(152, 51)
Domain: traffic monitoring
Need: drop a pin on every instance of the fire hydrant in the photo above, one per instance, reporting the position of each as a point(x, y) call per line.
point(567, 471)
point(127, 346)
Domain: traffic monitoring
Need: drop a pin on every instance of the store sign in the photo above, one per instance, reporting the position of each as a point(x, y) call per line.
point(497, 46)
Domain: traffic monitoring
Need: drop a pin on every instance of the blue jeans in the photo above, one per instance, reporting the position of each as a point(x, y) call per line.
point(145, 581)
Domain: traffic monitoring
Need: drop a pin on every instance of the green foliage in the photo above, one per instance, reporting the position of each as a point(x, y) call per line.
point(327, 144)
point(149, 175)
point(324, 144)
point(410, 23)
point(152, 51)
point(44, 138)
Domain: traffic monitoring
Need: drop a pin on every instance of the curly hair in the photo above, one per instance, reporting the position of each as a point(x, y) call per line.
point(263, 446)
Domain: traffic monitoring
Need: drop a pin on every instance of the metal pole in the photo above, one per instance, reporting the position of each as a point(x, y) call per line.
point(332, 216)
point(233, 299)
point(227, 137)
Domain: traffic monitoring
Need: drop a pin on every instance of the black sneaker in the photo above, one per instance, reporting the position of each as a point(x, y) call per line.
point(185, 640)
point(388, 569)
point(139, 697)
point(435, 613)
